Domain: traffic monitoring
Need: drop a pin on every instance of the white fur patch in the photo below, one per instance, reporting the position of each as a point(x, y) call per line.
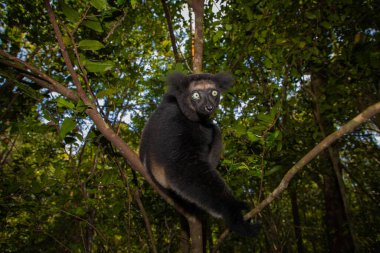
point(202, 85)
point(159, 174)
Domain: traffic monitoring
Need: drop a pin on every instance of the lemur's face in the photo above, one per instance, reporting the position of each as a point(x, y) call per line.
point(204, 96)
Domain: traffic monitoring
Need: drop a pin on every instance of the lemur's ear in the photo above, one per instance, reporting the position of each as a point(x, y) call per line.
point(223, 80)
point(177, 82)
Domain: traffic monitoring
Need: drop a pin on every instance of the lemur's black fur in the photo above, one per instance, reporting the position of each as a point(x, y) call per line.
point(181, 148)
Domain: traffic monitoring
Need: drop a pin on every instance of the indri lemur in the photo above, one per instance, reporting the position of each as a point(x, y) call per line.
point(181, 148)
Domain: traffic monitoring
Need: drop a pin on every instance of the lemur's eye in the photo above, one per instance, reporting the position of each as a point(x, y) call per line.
point(195, 96)
point(214, 93)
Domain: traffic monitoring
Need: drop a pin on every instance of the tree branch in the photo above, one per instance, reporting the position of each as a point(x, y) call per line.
point(129, 155)
point(46, 81)
point(136, 194)
point(81, 68)
point(65, 55)
point(60, 89)
point(116, 25)
point(171, 31)
point(37, 76)
point(324, 144)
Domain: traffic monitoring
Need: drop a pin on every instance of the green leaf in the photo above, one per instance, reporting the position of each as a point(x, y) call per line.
point(268, 63)
point(279, 147)
point(98, 66)
point(79, 136)
point(90, 45)
point(134, 3)
point(302, 44)
point(277, 135)
point(80, 107)
point(67, 126)
point(61, 102)
point(374, 58)
point(249, 12)
point(70, 140)
point(239, 130)
point(252, 137)
point(310, 15)
point(120, 2)
point(273, 170)
point(265, 118)
point(106, 92)
point(326, 25)
point(218, 35)
point(29, 91)
point(94, 25)
point(70, 13)
point(99, 4)
point(281, 40)
point(80, 211)
point(36, 187)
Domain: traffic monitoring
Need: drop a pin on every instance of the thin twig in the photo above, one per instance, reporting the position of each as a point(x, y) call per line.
point(171, 31)
point(137, 194)
point(67, 249)
point(101, 235)
point(113, 28)
point(83, 17)
point(148, 226)
point(4, 156)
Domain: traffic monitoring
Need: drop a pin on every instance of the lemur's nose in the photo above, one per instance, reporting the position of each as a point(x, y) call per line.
point(209, 108)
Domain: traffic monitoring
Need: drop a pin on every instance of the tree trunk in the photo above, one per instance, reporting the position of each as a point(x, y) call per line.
point(198, 8)
point(185, 235)
point(338, 225)
point(195, 223)
point(90, 230)
point(196, 235)
point(339, 237)
point(296, 220)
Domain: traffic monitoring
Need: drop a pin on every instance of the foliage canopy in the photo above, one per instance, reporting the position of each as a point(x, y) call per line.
point(302, 68)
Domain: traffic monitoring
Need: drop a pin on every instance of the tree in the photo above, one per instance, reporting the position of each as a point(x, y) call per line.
point(108, 54)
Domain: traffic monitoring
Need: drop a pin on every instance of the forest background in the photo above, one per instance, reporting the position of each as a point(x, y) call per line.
point(302, 69)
